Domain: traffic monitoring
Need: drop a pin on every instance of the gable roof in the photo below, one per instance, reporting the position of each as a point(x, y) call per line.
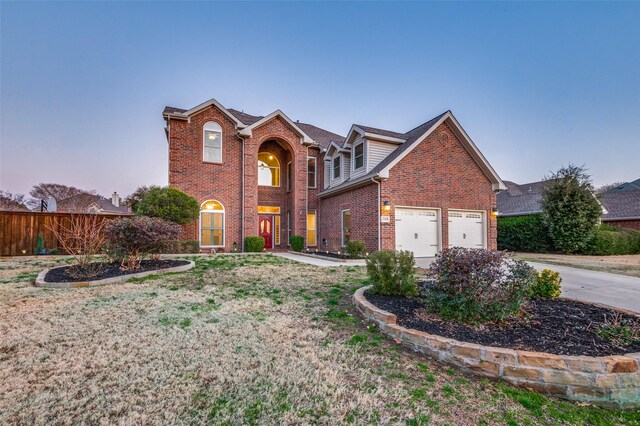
point(412, 138)
point(304, 137)
point(243, 120)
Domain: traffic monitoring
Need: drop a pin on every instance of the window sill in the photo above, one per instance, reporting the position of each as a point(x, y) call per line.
point(213, 162)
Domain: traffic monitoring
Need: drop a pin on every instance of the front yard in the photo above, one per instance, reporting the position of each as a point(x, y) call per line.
point(616, 264)
point(236, 340)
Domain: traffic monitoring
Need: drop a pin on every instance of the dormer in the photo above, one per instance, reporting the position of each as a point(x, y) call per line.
point(368, 146)
point(336, 165)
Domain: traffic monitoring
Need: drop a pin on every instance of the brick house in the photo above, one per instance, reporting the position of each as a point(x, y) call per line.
point(421, 190)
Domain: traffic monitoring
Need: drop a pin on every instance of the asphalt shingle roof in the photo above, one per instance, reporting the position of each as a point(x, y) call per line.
point(520, 199)
point(381, 132)
point(621, 204)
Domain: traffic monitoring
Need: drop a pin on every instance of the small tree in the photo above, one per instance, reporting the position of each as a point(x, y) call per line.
point(168, 204)
point(83, 238)
point(570, 209)
point(133, 239)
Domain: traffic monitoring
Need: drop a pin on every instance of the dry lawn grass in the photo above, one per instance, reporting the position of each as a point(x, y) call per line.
point(617, 264)
point(236, 340)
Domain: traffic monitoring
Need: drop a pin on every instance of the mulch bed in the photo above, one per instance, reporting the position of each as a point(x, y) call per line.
point(68, 274)
point(329, 254)
point(560, 326)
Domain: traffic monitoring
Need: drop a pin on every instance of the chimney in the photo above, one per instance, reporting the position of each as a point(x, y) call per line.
point(115, 199)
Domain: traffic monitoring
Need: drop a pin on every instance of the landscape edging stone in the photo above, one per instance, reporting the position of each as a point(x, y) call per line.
point(610, 381)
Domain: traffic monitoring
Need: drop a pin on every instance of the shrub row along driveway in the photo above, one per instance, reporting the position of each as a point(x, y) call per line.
point(238, 339)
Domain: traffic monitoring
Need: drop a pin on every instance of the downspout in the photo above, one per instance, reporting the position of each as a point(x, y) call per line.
point(306, 213)
point(242, 207)
point(373, 179)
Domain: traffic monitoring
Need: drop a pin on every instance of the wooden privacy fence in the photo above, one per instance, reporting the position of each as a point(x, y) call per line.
point(19, 230)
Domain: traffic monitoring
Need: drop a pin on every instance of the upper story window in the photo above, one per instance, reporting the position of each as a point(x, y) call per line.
point(212, 143)
point(289, 176)
point(358, 156)
point(268, 169)
point(311, 172)
point(336, 167)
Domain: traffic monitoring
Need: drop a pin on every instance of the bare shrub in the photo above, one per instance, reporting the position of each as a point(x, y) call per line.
point(83, 237)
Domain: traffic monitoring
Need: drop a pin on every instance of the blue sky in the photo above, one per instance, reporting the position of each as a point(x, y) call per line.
point(536, 85)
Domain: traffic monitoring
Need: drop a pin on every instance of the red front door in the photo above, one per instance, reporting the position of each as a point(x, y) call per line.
point(265, 230)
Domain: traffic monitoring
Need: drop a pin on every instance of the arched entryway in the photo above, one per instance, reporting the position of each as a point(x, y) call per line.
point(276, 188)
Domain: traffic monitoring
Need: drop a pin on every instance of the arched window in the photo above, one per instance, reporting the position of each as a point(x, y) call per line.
point(268, 169)
point(211, 224)
point(212, 143)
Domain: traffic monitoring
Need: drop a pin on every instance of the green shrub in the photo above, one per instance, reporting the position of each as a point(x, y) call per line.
point(611, 240)
point(355, 249)
point(253, 244)
point(477, 285)
point(168, 204)
point(547, 284)
point(185, 246)
point(39, 249)
point(524, 233)
point(392, 273)
point(296, 242)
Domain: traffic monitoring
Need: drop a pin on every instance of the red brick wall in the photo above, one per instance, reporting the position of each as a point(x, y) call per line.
point(633, 224)
point(363, 203)
point(223, 181)
point(440, 173)
point(204, 181)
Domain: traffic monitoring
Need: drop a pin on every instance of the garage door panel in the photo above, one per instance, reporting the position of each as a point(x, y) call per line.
point(417, 231)
point(466, 229)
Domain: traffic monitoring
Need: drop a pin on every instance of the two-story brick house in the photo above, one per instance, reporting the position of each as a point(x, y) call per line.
point(421, 190)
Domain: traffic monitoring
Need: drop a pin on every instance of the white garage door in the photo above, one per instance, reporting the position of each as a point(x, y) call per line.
point(466, 229)
point(417, 231)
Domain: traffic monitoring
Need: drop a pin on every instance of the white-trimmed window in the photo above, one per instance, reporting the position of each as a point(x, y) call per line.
point(289, 176)
point(212, 224)
point(346, 226)
point(336, 167)
point(212, 143)
point(288, 226)
point(358, 156)
point(311, 172)
point(268, 169)
point(311, 228)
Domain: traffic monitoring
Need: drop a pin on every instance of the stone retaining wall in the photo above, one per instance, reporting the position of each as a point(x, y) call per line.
point(612, 381)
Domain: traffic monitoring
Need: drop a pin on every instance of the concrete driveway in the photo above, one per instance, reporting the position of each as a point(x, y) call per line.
point(619, 291)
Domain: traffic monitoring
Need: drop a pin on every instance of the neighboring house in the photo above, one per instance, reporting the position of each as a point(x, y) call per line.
point(621, 205)
point(92, 203)
point(421, 190)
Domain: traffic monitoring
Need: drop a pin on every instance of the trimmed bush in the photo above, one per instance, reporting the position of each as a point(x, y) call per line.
point(477, 285)
point(392, 273)
point(547, 284)
point(185, 246)
point(524, 233)
point(296, 242)
point(611, 240)
point(39, 245)
point(253, 244)
point(131, 240)
point(355, 249)
point(169, 204)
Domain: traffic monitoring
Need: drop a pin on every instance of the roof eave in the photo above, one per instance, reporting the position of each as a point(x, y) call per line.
point(304, 138)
